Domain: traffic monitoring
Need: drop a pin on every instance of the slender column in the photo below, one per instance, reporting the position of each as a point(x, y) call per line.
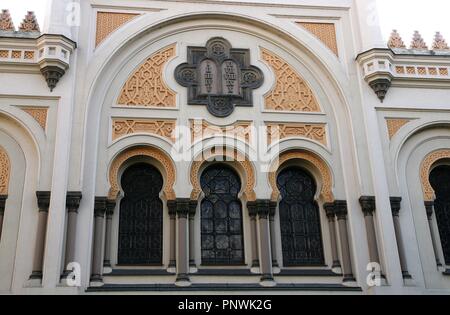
point(2, 212)
point(110, 206)
point(99, 220)
point(368, 206)
point(172, 205)
point(429, 205)
point(329, 209)
point(252, 212)
point(340, 207)
point(263, 208)
point(192, 211)
point(43, 198)
point(273, 243)
point(396, 206)
point(183, 246)
point(73, 200)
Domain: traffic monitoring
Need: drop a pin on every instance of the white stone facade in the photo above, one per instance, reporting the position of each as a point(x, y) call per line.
point(64, 141)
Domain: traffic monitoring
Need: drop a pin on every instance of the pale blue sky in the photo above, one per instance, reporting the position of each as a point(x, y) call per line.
point(427, 16)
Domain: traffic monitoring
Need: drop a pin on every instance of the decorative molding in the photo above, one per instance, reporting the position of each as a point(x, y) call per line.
point(109, 22)
point(151, 152)
point(325, 32)
point(38, 113)
point(326, 191)
point(6, 22)
point(395, 124)
point(43, 200)
point(146, 86)
point(396, 205)
point(201, 129)
point(161, 127)
point(439, 42)
point(291, 92)
point(221, 153)
point(279, 131)
point(219, 77)
point(29, 23)
point(396, 41)
point(73, 200)
point(5, 169)
point(418, 42)
point(368, 205)
point(425, 169)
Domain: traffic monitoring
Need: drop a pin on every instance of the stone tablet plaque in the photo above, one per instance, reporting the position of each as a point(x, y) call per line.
point(219, 77)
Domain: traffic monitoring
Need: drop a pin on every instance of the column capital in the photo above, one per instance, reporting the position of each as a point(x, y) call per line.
point(273, 208)
point(368, 205)
point(73, 199)
point(263, 208)
point(340, 209)
point(110, 206)
point(100, 206)
point(396, 204)
point(3, 203)
point(252, 209)
point(192, 208)
point(182, 207)
point(329, 210)
point(429, 205)
point(43, 199)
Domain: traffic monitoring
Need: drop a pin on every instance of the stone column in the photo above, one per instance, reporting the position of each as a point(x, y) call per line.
point(2, 212)
point(368, 206)
point(99, 220)
point(329, 209)
point(396, 206)
point(43, 198)
point(340, 207)
point(110, 206)
point(192, 211)
point(263, 208)
point(183, 245)
point(429, 205)
point(273, 241)
point(252, 212)
point(172, 205)
point(73, 200)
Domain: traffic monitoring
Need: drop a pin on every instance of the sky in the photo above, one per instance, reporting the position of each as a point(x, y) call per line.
point(426, 16)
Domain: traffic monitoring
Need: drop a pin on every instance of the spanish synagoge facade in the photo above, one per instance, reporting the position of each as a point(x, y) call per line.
point(221, 146)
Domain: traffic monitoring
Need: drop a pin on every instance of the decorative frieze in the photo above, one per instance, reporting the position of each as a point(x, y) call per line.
point(6, 23)
point(280, 131)
point(161, 127)
point(5, 168)
point(146, 86)
point(325, 32)
point(418, 42)
point(109, 22)
point(291, 92)
point(439, 42)
point(30, 23)
point(395, 40)
point(395, 124)
point(38, 113)
point(201, 129)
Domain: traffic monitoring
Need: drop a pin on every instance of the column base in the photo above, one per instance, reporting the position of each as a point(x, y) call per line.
point(406, 275)
point(349, 281)
point(107, 269)
point(182, 280)
point(35, 280)
point(36, 275)
point(65, 275)
point(96, 281)
point(336, 267)
point(267, 281)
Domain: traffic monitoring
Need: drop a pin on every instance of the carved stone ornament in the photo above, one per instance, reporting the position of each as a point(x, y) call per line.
point(219, 77)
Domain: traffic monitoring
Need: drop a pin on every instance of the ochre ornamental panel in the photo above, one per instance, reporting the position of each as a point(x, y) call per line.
point(280, 131)
point(123, 127)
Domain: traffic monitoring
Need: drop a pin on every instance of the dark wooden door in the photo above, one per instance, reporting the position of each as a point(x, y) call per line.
point(141, 217)
point(440, 180)
point(299, 219)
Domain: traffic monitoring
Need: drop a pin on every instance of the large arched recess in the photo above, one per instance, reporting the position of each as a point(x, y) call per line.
point(329, 78)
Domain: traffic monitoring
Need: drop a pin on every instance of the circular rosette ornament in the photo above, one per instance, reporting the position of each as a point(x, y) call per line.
point(220, 106)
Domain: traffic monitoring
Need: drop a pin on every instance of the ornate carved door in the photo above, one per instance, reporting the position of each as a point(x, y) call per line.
point(221, 217)
point(440, 180)
point(301, 235)
point(141, 217)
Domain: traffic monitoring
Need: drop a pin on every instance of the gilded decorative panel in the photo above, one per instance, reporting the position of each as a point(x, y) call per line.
point(395, 124)
point(146, 86)
point(325, 32)
point(290, 93)
point(4, 171)
point(108, 22)
point(160, 127)
point(201, 129)
point(39, 114)
point(427, 164)
point(277, 132)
